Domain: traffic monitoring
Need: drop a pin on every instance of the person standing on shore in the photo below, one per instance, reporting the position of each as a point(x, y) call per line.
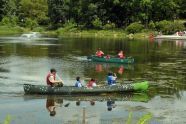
point(51, 79)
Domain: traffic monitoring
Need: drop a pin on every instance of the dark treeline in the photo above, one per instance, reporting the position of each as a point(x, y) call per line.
point(119, 12)
point(91, 13)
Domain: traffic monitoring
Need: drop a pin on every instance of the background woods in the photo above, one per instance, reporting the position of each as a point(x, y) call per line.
point(95, 14)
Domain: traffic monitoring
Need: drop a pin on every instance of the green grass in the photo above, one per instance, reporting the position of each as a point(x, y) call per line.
point(145, 118)
point(116, 33)
point(142, 120)
point(91, 33)
point(74, 32)
point(9, 30)
point(7, 120)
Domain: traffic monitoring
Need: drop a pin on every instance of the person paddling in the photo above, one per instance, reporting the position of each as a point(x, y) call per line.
point(51, 79)
point(99, 53)
point(121, 55)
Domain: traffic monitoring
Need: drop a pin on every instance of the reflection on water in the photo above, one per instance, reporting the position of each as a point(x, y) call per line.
point(50, 105)
point(25, 38)
point(98, 109)
point(178, 43)
point(110, 104)
point(100, 67)
point(162, 63)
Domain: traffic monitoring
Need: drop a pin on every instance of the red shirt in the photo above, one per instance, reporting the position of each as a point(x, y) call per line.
point(90, 84)
point(121, 55)
point(47, 79)
point(121, 70)
point(99, 53)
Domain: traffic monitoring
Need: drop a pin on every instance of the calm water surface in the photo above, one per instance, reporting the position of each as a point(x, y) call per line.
point(162, 63)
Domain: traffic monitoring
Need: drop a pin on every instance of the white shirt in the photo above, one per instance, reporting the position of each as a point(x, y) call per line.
point(114, 78)
point(94, 84)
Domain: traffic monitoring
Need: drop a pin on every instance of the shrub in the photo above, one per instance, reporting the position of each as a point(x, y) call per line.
point(8, 30)
point(68, 27)
point(29, 23)
point(39, 29)
point(10, 21)
point(134, 27)
point(97, 23)
point(109, 26)
point(177, 26)
point(70, 24)
point(5, 21)
point(163, 26)
point(169, 27)
point(151, 25)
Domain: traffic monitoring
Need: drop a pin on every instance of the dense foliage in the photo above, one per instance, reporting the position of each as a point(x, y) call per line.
point(94, 14)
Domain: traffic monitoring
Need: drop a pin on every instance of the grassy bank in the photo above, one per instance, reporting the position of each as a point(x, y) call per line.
point(100, 34)
point(62, 32)
point(11, 30)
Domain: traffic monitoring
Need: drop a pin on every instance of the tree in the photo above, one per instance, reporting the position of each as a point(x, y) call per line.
point(56, 11)
point(35, 10)
point(3, 3)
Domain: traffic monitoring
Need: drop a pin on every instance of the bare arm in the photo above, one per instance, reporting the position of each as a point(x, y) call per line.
point(54, 81)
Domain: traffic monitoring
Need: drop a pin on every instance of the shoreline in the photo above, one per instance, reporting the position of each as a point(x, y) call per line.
point(11, 30)
point(112, 34)
point(115, 34)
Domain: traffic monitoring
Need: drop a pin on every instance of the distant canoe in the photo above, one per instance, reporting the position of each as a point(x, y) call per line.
point(172, 37)
point(127, 60)
point(68, 90)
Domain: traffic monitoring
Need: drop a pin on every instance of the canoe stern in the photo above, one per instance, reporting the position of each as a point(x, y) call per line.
point(143, 86)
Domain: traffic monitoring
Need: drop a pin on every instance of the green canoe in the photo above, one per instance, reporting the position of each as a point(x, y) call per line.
point(68, 90)
point(127, 60)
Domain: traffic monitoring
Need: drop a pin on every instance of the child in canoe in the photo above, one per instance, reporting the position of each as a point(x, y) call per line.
point(91, 83)
point(111, 78)
point(78, 82)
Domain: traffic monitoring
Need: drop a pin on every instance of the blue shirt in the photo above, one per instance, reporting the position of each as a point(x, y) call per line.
point(78, 84)
point(111, 80)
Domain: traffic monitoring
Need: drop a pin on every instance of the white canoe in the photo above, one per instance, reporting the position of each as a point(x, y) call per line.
point(173, 37)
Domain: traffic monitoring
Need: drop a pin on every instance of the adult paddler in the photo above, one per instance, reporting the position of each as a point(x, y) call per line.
point(99, 53)
point(121, 55)
point(51, 78)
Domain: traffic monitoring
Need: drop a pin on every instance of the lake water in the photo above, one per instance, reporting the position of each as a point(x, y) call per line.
point(162, 63)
